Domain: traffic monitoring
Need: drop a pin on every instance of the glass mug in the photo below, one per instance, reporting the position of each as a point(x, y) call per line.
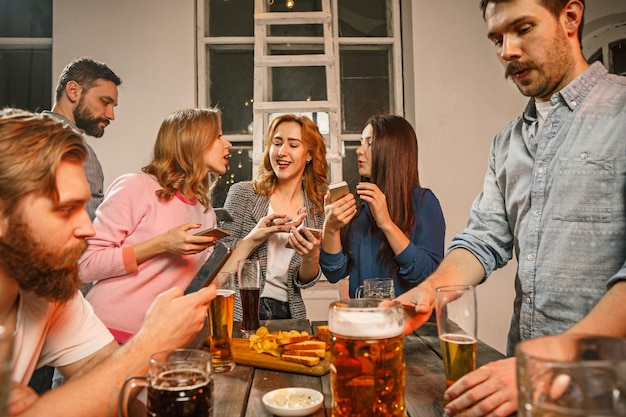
point(221, 315)
point(249, 280)
point(367, 358)
point(571, 376)
point(376, 288)
point(179, 384)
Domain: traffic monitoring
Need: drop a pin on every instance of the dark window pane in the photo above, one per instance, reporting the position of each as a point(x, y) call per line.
point(25, 18)
point(296, 30)
point(239, 169)
point(350, 167)
point(365, 86)
point(231, 75)
point(25, 80)
point(596, 56)
point(298, 6)
point(298, 84)
point(363, 18)
point(230, 18)
point(618, 56)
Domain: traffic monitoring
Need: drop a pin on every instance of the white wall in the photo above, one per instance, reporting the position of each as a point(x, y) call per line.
point(456, 98)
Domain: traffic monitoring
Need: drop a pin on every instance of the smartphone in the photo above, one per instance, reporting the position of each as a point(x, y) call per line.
point(316, 232)
point(223, 215)
point(214, 231)
point(211, 267)
point(338, 190)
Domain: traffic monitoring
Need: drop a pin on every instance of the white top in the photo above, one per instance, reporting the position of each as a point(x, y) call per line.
point(54, 334)
point(278, 259)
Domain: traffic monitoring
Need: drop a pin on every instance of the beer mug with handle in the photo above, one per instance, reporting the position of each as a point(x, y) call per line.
point(367, 358)
point(179, 383)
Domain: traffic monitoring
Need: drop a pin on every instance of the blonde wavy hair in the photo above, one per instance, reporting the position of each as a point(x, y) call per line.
point(315, 176)
point(178, 163)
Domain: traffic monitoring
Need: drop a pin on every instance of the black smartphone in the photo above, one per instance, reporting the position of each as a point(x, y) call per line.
point(211, 267)
point(223, 215)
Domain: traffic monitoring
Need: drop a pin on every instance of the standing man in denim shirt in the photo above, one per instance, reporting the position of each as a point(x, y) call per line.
point(554, 194)
point(86, 95)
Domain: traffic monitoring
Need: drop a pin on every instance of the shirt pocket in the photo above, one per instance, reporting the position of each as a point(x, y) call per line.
point(584, 189)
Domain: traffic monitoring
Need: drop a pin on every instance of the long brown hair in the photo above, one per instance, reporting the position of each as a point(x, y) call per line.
point(178, 163)
point(315, 176)
point(395, 172)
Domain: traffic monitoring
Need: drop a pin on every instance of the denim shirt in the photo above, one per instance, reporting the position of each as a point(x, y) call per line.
point(558, 201)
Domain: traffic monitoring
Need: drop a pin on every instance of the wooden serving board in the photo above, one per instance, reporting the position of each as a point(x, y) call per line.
point(244, 355)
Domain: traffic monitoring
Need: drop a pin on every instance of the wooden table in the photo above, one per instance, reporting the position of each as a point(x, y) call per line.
point(239, 392)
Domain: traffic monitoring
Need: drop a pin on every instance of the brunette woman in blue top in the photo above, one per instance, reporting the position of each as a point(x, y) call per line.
point(396, 228)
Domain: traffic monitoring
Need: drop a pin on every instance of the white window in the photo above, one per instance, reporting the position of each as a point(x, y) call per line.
point(607, 43)
point(26, 54)
point(367, 53)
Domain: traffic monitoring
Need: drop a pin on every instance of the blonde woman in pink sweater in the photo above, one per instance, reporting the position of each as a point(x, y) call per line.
point(145, 242)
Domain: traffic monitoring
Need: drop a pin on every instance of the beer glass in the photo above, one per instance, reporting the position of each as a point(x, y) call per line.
point(221, 314)
point(6, 358)
point(457, 324)
point(249, 276)
point(367, 357)
point(571, 376)
point(376, 288)
point(179, 384)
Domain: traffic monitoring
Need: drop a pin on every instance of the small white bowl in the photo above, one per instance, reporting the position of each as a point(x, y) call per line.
point(293, 402)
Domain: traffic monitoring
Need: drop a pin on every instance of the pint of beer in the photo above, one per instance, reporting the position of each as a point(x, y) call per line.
point(221, 314)
point(367, 358)
point(455, 307)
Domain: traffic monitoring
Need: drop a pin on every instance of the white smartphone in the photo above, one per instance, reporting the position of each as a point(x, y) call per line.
point(338, 190)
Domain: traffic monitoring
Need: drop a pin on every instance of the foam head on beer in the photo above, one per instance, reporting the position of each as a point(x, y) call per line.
point(368, 322)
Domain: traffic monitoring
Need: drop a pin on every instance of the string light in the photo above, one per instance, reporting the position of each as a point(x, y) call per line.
point(290, 4)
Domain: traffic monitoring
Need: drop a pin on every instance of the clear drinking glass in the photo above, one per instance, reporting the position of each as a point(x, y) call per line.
point(367, 357)
point(249, 276)
point(571, 376)
point(221, 316)
point(376, 288)
point(457, 324)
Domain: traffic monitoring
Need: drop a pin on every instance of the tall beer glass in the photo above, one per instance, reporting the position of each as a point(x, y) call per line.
point(457, 323)
point(6, 357)
point(367, 358)
point(221, 315)
point(249, 276)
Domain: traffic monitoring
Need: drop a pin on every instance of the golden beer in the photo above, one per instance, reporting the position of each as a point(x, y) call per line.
point(367, 361)
point(459, 356)
point(221, 312)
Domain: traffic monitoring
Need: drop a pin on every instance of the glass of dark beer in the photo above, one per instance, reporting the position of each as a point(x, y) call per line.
point(367, 358)
point(179, 384)
point(455, 307)
point(249, 277)
point(6, 355)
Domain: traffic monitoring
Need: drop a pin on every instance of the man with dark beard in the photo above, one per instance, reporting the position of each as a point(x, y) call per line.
point(86, 95)
point(43, 226)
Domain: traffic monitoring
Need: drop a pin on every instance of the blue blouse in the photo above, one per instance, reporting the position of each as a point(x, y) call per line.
point(417, 261)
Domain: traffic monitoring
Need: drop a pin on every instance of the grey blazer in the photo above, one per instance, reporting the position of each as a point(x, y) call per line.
point(247, 208)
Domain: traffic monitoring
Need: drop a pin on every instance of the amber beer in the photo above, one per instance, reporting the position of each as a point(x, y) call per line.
point(181, 393)
point(367, 359)
point(459, 356)
point(221, 313)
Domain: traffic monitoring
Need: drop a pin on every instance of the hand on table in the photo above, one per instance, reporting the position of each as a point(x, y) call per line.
point(490, 390)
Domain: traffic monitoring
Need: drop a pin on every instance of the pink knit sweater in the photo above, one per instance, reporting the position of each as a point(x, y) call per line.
point(131, 213)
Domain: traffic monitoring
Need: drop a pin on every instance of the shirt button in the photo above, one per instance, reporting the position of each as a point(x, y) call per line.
point(527, 300)
point(536, 213)
point(540, 170)
point(574, 104)
point(584, 156)
point(530, 257)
